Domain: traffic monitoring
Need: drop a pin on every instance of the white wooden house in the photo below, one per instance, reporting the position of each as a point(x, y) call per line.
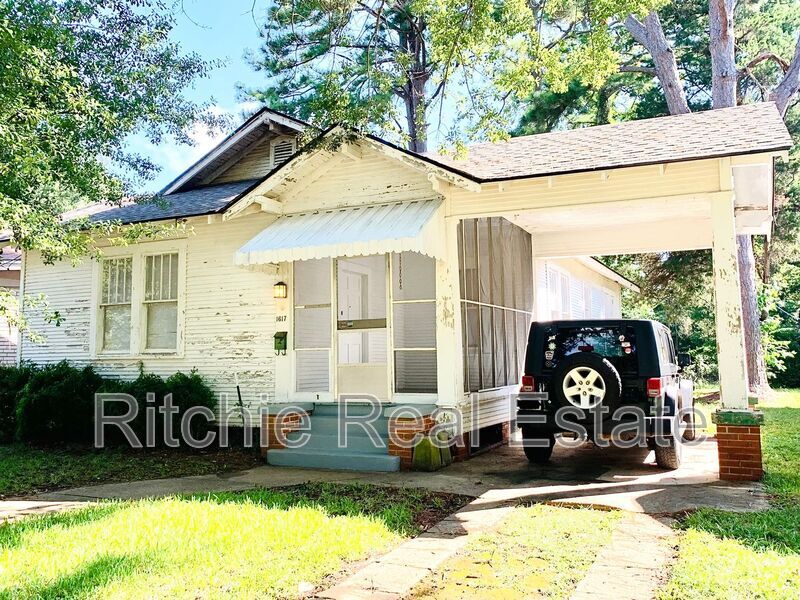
point(407, 277)
point(10, 262)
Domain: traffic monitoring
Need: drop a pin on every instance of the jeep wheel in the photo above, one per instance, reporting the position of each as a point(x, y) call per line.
point(539, 454)
point(669, 456)
point(587, 381)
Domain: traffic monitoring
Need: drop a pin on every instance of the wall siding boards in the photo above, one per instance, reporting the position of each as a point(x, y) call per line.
point(229, 316)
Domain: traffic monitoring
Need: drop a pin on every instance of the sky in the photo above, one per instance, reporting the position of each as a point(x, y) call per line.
point(216, 30)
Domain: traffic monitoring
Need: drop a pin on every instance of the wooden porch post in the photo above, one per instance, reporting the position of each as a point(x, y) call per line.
point(738, 428)
point(728, 305)
point(449, 357)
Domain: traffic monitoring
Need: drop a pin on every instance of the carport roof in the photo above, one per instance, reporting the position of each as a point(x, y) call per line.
point(746, 129)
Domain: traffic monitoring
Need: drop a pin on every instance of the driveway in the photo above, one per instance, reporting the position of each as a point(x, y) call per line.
point(609, 477)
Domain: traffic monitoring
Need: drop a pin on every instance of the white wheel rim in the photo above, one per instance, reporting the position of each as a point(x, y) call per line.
point(584, 387)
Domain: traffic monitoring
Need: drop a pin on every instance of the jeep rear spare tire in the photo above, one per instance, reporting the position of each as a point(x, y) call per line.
point(586, 381)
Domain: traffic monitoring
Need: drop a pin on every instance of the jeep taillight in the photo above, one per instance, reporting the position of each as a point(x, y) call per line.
point(654, 387)
point(527, 383)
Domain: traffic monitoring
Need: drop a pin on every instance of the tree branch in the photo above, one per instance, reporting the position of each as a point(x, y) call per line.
point(790, 84)
point(650, 34)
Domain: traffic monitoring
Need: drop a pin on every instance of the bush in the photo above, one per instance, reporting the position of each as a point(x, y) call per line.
point(187, 391)
point(57, 405)
point(12, 380)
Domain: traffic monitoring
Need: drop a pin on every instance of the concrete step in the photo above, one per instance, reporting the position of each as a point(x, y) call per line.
point(352, 408)
point(346, 461)
point(355, 443)
point(329, 425)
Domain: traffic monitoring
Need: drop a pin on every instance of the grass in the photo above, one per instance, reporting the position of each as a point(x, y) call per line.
point(26, 470)
point(539, 551)
point(258, 544)
point(755, 555)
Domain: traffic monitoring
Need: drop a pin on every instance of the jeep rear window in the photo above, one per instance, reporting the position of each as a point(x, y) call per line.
point(617, 344)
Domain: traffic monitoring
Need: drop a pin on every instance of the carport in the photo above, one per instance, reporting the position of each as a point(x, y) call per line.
point(677, 183)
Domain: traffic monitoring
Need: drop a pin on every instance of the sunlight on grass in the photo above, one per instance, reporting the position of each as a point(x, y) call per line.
point(755, 555)
point(539, 551)
point(709, 567)
point(252, 544)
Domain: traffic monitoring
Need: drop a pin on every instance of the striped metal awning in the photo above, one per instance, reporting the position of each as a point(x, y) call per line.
point(415, 226)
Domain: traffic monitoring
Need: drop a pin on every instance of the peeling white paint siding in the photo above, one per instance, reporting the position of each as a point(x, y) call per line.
point(229, 315)
point(373, 179)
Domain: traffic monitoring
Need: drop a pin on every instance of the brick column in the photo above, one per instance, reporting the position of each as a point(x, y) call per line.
point(272, 423)
point(739, 444)
point(405, 429)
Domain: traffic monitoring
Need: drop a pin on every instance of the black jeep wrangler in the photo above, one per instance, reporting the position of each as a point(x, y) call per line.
point(614, 380)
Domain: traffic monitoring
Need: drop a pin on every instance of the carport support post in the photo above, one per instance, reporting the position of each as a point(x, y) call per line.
point(738, 428)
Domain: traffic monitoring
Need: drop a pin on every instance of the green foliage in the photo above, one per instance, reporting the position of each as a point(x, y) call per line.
point(78, 78)
point(12, 380)
point(57, 405)
point(271, 542)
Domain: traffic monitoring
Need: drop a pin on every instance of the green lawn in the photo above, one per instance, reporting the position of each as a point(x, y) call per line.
point(539, 551)
point(25, 470)
point(756, 555)
point(259, 544)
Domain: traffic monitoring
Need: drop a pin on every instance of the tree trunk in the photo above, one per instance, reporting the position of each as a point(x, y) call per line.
point(723, 95)
point(412, 40)
point(650, 34)
point(756, 367)
point(723, 53)
point(790, 84)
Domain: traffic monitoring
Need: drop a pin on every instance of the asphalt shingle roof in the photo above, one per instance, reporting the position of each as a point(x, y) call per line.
point(745, 129)
point(200, 201)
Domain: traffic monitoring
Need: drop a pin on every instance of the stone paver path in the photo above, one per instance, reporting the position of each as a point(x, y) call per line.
point(394, 575)
point(15, 509)
point(634, 565)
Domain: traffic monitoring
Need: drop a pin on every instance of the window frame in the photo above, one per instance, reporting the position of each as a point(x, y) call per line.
point(138, 339)
point(102, 305)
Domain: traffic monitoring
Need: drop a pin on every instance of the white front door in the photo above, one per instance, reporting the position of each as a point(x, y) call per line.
point(362, 336)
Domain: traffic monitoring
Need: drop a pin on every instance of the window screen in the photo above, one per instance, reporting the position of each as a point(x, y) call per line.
point(312, 324)
point(115, 304)
point(497, 300)
point(414, 322)
point(161, 301)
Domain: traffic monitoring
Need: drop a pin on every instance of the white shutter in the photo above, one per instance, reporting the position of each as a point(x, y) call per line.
point(577, 300)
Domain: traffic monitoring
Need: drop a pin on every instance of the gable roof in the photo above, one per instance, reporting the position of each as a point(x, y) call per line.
point(746, 129)
point(254, 128)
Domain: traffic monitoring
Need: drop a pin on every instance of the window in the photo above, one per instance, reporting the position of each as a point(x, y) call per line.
point(414, 322)
point(115, 304)
point(558, 288)
point(139, 302)
point(312, 325)
point(161, 302)
point(616, 344)
point(497, 300)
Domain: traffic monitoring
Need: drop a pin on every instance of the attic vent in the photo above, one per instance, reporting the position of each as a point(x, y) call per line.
point(281, 152)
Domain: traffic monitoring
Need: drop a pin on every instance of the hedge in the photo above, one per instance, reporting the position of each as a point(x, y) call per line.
point(54, 404)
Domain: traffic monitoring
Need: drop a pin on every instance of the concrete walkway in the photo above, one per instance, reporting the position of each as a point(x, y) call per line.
point(634, 565)
point(625, 479)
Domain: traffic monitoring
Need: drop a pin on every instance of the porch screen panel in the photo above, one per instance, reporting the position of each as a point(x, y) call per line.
point(312, 325)
point(414, 322)
point(497, 314)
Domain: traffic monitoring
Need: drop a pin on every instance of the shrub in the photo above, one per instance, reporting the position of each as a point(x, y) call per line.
point(187, 391)
point(12, 380)
point(57, 405)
